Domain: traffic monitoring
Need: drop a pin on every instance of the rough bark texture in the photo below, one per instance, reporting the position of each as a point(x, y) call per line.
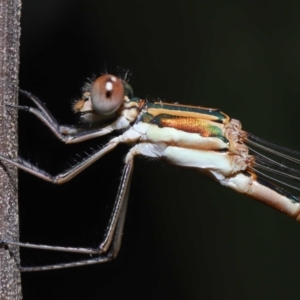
point(10, 279)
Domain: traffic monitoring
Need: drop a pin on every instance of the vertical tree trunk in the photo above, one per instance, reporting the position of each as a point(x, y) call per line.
point(10, 279)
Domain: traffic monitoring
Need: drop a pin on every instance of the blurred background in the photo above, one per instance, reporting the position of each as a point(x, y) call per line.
point(185, 236)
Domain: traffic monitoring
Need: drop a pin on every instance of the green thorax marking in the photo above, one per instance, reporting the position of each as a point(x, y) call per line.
point(204, 127)
point(211, 114)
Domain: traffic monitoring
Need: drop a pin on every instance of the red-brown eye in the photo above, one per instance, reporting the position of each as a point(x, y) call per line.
point(107, 94)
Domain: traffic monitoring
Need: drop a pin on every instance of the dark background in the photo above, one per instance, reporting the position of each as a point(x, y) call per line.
point(185, 236)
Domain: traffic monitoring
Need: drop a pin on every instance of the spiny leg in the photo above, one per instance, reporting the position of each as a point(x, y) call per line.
point(111, 243)
point(110, 246)
point(64, 176)
point(129, 136)
point(67, 134)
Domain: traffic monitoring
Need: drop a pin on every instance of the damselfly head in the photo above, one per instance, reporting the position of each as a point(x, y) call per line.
point(102, 99)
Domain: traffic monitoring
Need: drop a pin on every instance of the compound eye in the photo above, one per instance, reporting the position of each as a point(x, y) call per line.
point(107, 94)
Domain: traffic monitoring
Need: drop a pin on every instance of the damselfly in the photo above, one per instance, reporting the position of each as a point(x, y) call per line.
point(201, 138)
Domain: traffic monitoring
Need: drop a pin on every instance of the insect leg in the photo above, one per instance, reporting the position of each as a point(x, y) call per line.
point(111, 243)
point(64, 176)
point(67, 133)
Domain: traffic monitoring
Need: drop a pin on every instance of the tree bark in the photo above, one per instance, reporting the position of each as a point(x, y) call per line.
point(10, 279)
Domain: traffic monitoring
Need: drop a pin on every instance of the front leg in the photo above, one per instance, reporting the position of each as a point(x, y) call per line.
point(66, 133)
